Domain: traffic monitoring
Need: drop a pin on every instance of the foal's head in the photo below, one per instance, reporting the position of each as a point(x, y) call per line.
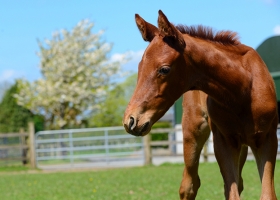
point(161, 75)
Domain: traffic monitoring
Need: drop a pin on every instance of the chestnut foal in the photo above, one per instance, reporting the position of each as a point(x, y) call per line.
point(230, 90)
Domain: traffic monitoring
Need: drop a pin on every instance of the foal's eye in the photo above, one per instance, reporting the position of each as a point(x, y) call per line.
point(164, 70)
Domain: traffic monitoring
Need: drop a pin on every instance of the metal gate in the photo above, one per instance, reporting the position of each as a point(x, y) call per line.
point(91, 147)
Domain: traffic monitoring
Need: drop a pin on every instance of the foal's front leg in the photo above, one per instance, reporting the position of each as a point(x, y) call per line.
point(230, 158)
point(193, 144)
point(196, 131)
point(265, 156)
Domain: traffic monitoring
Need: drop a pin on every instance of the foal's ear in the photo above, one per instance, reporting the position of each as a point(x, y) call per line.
point(147, 30)
point(167, 29)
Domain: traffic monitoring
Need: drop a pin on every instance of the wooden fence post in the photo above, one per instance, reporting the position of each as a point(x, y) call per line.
point(23, 143)
point(147, 149)
point(205, 152)
point(170, 146)
point(31, 144)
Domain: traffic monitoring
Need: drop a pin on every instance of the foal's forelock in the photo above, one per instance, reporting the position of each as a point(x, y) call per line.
point(207, 33)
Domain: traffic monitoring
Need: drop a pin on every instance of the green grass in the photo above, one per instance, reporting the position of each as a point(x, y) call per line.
point(138, 183)
point(13, 168)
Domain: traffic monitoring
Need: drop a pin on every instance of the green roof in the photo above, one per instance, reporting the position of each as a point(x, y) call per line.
point(269, 50)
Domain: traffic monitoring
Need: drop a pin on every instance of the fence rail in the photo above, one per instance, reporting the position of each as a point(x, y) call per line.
point(98, 147)
point(110, 147)
point(91, 147)
point(95, 147)
point(175, 139)
point(16, 148)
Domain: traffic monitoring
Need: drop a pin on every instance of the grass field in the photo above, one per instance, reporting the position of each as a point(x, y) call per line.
point(139, 183)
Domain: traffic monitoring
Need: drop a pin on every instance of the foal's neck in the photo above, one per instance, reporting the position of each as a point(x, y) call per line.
point(218, 70)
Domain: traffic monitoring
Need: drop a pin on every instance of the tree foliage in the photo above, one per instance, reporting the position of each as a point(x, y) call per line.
point(113, 107)
point(14, 117)
point(4, 86)
point(76, 69)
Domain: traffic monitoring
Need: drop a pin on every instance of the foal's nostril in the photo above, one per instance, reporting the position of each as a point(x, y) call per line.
point(131, 124)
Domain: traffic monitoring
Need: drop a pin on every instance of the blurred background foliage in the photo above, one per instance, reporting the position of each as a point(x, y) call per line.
point(13, 117)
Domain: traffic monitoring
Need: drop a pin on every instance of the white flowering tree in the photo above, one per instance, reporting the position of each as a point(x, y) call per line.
point(75, 67)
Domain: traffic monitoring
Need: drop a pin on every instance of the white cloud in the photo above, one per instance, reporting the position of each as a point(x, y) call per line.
point(7, 75)
point(136, 55)
point(270, 2)
point(276, 30)
point(117, 57)
point(134, 59)
point(131, 55)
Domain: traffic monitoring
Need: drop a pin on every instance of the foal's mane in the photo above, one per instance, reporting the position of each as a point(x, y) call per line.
point(207, 33)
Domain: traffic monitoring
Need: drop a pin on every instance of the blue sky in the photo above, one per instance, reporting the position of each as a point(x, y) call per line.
point(22, 22)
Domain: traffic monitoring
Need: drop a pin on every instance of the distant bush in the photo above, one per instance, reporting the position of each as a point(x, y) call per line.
point(161, 136)
point(14, 117)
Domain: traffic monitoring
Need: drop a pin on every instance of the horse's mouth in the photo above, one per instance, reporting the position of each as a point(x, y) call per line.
point(142, 131)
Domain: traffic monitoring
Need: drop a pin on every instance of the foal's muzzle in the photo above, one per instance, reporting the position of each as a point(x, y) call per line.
point(131, 126)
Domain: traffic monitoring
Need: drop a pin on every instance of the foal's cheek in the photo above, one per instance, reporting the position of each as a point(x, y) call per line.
point(182, 83)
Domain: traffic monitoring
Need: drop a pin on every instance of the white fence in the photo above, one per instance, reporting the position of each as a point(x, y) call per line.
point(111, 147)
point(210, 145)
point(93, 147)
